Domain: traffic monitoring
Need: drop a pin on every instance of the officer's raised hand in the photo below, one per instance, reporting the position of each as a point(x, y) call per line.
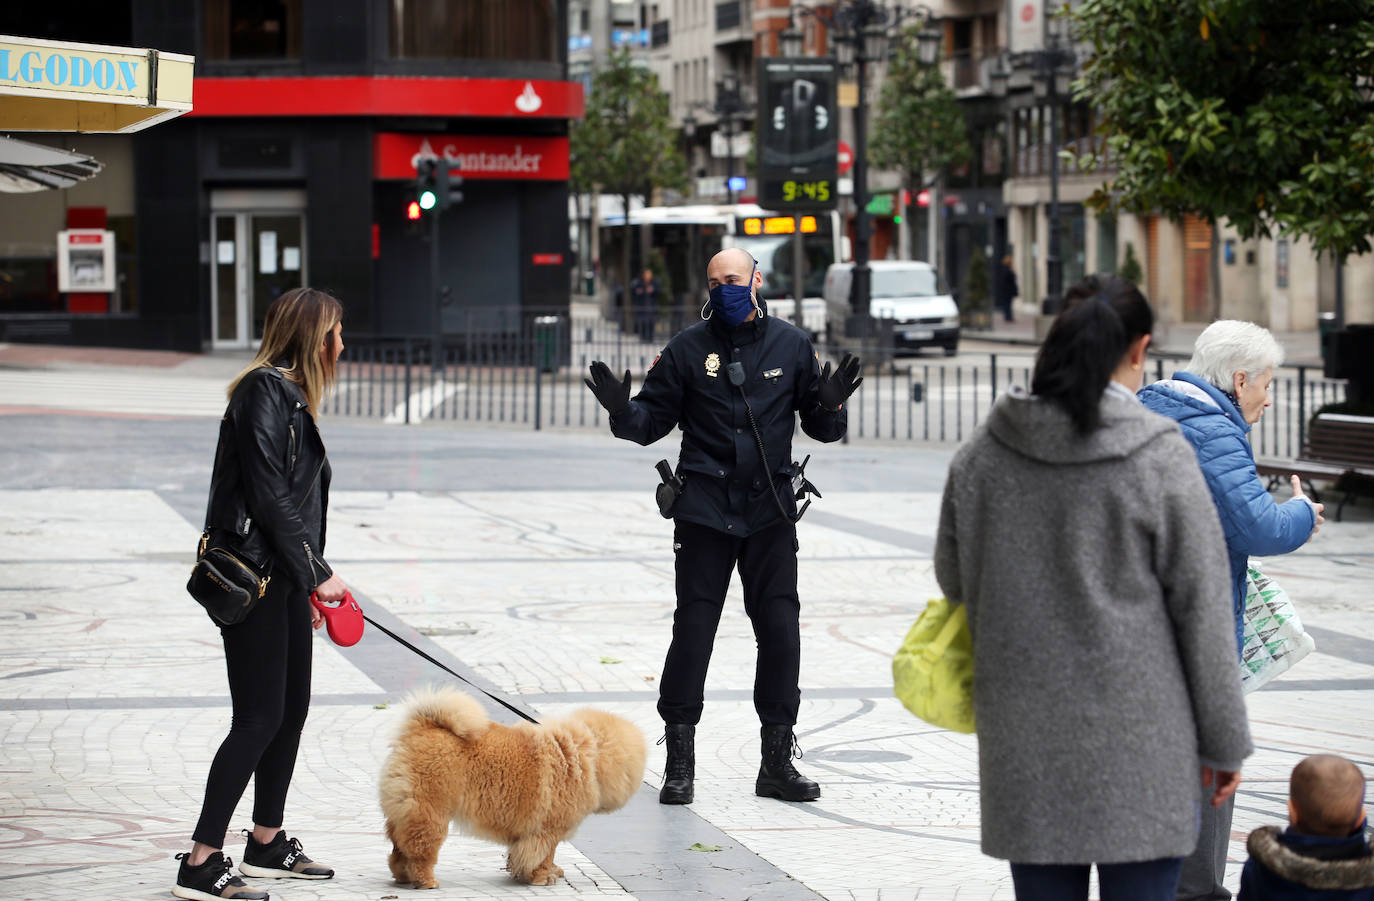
point(834, 388)
point(611, 393)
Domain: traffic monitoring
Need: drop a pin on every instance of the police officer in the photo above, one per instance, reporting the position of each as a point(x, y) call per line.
point(718, 380)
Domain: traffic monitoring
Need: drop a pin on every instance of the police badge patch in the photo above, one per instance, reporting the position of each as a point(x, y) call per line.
point(713, 364)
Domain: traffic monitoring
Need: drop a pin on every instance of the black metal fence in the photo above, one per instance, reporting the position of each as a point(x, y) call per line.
point(528, 372)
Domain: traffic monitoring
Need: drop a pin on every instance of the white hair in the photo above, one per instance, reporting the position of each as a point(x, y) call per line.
point(1228, 346)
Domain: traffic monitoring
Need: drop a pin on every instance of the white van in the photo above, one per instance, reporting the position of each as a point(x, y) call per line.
point(906, 291)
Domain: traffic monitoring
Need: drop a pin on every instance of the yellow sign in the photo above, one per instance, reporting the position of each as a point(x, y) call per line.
point(847, 94)
point(63, 86)
point(778, 225)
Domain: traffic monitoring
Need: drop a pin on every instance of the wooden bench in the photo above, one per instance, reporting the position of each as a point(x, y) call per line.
point(1338, 448)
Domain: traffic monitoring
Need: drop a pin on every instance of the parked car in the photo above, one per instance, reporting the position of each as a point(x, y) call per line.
point(908, 292)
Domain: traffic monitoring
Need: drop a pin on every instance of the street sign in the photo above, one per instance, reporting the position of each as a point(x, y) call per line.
point(845, 157)
point(797, 146)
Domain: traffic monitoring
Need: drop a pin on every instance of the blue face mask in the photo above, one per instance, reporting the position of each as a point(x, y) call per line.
point(734, 303)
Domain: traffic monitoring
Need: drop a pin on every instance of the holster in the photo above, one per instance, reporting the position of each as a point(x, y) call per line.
point(668, 490)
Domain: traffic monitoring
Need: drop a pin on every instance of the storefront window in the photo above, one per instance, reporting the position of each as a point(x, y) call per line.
point(252, 29)
point(474, 29)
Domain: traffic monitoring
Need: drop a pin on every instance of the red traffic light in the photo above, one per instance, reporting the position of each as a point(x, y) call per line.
point(413, 210)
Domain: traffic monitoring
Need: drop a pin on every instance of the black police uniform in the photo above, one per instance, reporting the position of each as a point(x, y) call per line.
point(724, 517)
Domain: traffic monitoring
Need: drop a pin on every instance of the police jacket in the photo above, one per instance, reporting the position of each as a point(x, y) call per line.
point(269, 493)
point(726, 484)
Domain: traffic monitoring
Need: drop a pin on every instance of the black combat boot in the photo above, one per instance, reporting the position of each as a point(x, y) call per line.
point(677, 775)
point(778, 778)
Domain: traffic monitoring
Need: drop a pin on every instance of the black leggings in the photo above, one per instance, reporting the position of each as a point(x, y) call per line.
point(268, 657)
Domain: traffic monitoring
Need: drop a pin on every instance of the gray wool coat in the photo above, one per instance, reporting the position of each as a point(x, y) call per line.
point(1094, 572)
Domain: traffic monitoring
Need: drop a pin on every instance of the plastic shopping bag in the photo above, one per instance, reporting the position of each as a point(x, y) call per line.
point(932, 672)
point(1274, 639)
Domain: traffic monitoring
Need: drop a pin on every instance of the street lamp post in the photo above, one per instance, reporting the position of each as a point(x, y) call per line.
point(728, 106)
point(1050, 70)
point(860, 35)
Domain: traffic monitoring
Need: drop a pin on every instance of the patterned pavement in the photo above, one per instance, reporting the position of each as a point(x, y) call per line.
point(113, 695)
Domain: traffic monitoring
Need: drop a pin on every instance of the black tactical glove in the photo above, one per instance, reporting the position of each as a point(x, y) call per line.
point(611, 393)
point(834, 389)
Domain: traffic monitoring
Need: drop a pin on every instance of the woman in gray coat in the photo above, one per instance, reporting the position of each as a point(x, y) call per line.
point(1077, 528)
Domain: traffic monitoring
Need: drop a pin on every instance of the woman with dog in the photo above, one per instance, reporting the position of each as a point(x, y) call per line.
point(1215, 400)
point(269, 495)
point(1075, 528)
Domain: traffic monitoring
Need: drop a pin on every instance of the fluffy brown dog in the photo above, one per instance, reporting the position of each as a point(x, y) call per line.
point(527, 787)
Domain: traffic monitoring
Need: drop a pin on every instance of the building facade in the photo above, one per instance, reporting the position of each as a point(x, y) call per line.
point(296, 166)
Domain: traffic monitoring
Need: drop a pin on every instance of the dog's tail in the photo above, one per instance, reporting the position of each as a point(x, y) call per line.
point(447, 708)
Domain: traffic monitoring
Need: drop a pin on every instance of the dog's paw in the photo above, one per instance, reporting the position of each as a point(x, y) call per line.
point(544, 876)
point(426, 883)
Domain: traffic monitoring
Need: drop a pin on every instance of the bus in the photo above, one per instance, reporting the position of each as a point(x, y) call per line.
point(687, 237)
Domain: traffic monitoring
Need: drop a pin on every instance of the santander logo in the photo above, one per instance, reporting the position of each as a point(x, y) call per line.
point(528, 101)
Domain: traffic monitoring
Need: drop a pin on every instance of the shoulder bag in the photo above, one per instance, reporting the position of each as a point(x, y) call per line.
point(224, 583)
point(932, 672)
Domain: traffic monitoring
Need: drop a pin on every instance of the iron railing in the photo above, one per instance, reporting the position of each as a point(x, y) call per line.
point(528, 372)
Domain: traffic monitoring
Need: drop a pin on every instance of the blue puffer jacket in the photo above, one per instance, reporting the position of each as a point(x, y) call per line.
point(1254, 524)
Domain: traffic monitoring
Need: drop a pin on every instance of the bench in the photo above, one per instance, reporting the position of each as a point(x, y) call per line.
point(1338, 448)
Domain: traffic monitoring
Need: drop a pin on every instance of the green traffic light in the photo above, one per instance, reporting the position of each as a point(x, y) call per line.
point(428, 199)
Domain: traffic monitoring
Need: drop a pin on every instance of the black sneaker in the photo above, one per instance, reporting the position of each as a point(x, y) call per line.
point(282, 858)
point(212, 880)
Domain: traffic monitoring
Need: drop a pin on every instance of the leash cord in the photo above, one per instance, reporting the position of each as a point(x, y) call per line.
point(502, 701)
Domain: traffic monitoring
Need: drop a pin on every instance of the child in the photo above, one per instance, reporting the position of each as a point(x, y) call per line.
point(1323, 853)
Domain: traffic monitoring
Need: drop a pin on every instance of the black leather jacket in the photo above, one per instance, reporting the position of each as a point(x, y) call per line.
point(725, 483)
point(269, 493)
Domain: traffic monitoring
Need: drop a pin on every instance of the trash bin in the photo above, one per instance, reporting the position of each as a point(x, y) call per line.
point(1326, 327)
point(546, 330)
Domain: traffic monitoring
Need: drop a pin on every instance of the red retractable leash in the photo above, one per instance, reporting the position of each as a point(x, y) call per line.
point(343, 619)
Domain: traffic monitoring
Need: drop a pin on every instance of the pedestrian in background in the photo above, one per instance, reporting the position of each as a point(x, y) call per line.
point(645, 291)
point(1006, 289)
point(1074, 527)
point(731, 383)
point(269, 495)
point(1219, 395)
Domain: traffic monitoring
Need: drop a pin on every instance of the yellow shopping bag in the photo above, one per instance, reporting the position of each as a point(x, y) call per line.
point(932, 672)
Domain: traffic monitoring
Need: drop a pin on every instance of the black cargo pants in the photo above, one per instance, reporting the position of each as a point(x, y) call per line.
point(767, 563)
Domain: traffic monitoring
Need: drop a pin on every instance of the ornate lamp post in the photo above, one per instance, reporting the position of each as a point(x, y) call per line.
point(729, 106)
point(1050, 71)
point(860, 34)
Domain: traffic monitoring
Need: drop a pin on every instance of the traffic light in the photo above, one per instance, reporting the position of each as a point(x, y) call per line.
point(435, 189)
point(427, 184)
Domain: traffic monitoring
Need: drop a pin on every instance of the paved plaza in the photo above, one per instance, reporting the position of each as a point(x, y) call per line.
point(537, 565)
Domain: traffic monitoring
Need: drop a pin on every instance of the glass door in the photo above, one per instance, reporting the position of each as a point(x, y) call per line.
point(277, 249)
point(257, 257)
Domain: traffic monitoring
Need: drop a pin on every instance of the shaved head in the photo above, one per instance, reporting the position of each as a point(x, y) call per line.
point(731, 267)
point(1326, 794)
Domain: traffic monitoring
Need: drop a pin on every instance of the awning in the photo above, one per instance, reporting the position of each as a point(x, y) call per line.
point(26, 167)
point(62, 86)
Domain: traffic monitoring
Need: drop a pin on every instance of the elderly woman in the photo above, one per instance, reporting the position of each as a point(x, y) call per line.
point(1221, 394)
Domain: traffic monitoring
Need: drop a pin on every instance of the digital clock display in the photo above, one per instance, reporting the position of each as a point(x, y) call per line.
point(798, 193)
point(794, 191)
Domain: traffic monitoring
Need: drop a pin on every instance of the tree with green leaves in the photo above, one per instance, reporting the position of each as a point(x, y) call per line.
point(626, 144)
point(919, 126)
point(1254, 111)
